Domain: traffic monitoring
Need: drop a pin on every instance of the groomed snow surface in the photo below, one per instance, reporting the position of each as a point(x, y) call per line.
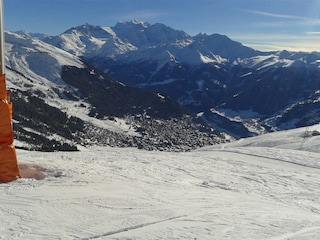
point(266, 187)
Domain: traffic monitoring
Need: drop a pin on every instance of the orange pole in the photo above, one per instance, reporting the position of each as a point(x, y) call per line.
point(9, 169)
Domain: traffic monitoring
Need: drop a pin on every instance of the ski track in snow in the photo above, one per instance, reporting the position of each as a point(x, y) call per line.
point(211, 193)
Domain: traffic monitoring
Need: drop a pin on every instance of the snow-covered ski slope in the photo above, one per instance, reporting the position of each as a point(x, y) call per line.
point(267, 187)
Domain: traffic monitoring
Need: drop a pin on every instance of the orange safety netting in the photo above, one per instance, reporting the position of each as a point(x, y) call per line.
point(9, 169)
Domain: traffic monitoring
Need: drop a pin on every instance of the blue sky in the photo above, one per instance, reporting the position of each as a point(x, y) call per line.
point(261, 24)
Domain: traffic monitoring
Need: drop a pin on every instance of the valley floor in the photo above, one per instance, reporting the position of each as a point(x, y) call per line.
point(236, 191)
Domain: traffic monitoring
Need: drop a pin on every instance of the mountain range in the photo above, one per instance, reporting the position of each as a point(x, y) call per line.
point(235, 88)
point(134, 69)
point(63, 103)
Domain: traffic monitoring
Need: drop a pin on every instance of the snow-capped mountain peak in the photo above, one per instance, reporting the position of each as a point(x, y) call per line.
point(27, 54)
point(122, 27)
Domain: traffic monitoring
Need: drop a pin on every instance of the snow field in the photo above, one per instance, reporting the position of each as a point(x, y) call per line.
point(235, 191)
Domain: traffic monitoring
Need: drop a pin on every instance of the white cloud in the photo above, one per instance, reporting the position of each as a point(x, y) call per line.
point(314, 34)
point(273, 42)
point(277, 15)
point(300, 20)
